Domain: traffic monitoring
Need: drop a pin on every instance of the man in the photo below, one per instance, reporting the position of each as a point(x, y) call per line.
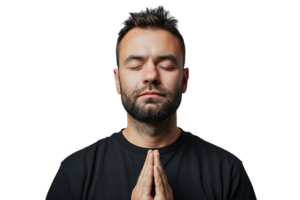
point(151, 158)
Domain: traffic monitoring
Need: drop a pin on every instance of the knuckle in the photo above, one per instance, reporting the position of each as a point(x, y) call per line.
point(160, 184)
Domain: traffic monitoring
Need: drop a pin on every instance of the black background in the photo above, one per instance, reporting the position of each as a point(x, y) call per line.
point(73, 97)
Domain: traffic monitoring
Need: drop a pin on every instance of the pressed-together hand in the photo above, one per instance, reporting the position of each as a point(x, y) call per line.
point(152, 168)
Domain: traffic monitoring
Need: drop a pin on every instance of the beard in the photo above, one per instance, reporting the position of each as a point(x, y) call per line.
point(151, 109)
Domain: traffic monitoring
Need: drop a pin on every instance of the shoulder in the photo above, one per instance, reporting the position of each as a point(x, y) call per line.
point(215, 155)
point(83, 158)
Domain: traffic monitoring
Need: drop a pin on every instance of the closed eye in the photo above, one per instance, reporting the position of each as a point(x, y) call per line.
point(135, 67)
point(141, 66)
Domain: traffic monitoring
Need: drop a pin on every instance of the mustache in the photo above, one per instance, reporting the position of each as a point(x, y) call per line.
point(151, 87)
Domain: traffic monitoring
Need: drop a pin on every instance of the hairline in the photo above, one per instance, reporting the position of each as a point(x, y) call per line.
point(153, 28)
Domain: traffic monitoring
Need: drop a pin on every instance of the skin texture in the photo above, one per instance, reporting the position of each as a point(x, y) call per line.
point(152, 168)
point(151, 122)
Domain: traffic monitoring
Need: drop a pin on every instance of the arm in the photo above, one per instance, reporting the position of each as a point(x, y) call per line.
point(241, 187)
point(64, 186)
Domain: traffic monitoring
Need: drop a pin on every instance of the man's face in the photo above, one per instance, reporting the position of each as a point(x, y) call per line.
point(150, 61)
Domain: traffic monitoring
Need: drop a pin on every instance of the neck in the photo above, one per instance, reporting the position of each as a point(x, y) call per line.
point(152, 134)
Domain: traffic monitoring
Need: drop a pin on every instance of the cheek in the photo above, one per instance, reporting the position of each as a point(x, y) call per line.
point(171, 80)
point(129, 82)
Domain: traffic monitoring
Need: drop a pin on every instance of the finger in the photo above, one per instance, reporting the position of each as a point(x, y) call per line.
point(161, 168)
point(167, 189)
point(143, 177)
point(144, 168)
point(147, 182)
point(159, 186)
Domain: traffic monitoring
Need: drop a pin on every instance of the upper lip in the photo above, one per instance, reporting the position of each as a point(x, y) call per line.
point(151, 92)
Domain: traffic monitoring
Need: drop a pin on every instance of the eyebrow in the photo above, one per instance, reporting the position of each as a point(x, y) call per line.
point(162, 57)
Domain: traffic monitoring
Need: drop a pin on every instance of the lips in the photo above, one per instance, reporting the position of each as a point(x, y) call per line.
point(151, 93)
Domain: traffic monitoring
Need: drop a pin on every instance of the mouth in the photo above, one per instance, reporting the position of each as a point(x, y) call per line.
point(150, 95)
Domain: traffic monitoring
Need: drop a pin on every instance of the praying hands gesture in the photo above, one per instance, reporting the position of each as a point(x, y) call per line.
point(152, 169)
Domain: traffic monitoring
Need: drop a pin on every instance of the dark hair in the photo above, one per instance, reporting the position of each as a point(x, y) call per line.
point(156, 18)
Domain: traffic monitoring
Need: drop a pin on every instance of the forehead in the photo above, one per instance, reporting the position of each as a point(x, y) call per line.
point(148, 42)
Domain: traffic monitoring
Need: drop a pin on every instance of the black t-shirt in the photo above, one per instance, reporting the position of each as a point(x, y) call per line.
point(109, 170)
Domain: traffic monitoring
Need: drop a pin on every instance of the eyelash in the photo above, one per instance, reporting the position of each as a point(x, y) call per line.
point(135, 68)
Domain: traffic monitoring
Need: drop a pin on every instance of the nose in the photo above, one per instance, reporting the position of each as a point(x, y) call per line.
point(150, 73)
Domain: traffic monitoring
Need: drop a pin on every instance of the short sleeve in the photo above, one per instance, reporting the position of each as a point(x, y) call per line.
point(241, 187)
point(62, 187)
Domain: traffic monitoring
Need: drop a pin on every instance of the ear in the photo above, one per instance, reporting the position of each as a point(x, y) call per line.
point(117, 80)
point(185, 79)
